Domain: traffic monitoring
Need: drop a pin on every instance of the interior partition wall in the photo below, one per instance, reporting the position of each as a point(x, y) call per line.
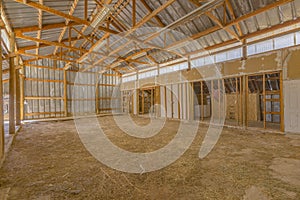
point(254, 100)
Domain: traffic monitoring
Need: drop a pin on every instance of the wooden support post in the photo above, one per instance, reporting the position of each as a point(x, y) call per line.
point(22, 89)
point(172, 101)
point(281, 103)
point(97, 95)
point(219, 97)
point(137, 102)
point(192, 114)
point(264, 101)
point(143, 102)
point(212, 99)
point(224, 100)
point(65, 93)
point(1, 103)
point(241, 101)
point(178, 99)
point(151, 99)
point(166, 107)
point(237, 101)
point(18, 100)
point(244, 105)
point(246, 101)
point(202, 101)
point(12, 127)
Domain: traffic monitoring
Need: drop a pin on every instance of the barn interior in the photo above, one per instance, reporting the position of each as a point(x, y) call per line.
point(201, 96)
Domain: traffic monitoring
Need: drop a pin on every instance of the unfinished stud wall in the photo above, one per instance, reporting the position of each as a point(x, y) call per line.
point(81, 92)
point(43, 90)
point(50, 91)
point(284, 61)
point(109, 94)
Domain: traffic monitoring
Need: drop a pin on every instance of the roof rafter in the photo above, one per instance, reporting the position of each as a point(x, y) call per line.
point(61, 14)
point(47, 45)
point(62, 33)
point(48, 42)
point(229, 24)
point(219, 23)
point(231, 11)
point(138, 24)
point(44, 27)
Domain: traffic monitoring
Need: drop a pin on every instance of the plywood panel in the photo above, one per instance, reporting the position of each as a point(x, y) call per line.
point(253, 107)
point(292, 106)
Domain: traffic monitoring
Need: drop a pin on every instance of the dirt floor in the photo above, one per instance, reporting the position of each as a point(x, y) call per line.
point(48, 161)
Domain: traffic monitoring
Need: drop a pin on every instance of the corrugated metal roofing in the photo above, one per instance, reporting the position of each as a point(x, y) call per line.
point(20, 15)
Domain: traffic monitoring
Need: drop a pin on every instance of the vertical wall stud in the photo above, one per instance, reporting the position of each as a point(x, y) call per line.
point(264, 100)
point(237, 101)
point(281, 103)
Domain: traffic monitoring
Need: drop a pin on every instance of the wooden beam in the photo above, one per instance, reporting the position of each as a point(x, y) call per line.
point(18, 97)
point(53, 11)
point(258, 11)
point(12, 87)
point(150, 10)
point(133, 12)
point(45, 56)
point(48, 42)
point(282, 128)
point(235, 22)
point(62, 14)
point(151, 15)
point(44, 98)
point(231, 11)
point(47, 45)
point(195, 36)
point(22, 86)
point(202, 100)
point(244, 103)
point(237, 101)
point(65, 93)
point(44, 27)
point(2, 138)
point(140, 23)
point(62, 33)
point(219, 23)
point(86, 9)
point(264, 101)
point(97, 94)
point(84, 36)
point(271, 29)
